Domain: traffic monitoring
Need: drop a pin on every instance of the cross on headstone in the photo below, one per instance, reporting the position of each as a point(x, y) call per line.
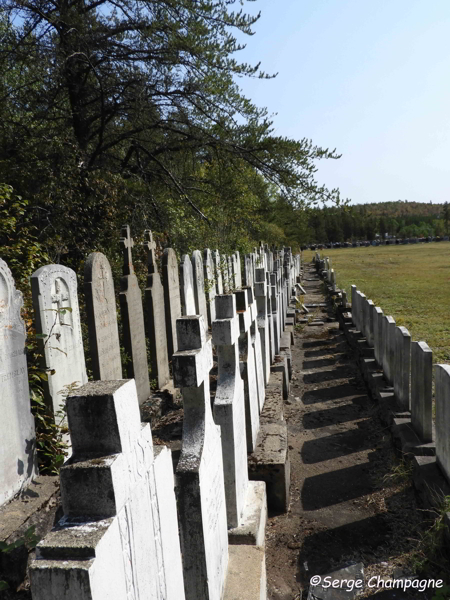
point(127, 243)
point(150, 245)
point(104, 278)
point(58, 297)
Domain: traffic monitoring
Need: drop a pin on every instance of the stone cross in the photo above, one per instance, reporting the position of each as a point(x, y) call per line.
point(102, 318)
point(200, 474)
point(18, 441)
point(229, 407)
point(119, 534)
point(248, 369)
point(172, 298)
point(156, 317)
point(127, 243)
point(132, 313)
point(54, 289)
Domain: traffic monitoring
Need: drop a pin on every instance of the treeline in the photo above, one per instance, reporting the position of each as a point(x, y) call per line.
point(369, 221)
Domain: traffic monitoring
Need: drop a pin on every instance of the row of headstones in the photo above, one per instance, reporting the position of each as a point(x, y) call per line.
point(95, 421)
point(408, 368)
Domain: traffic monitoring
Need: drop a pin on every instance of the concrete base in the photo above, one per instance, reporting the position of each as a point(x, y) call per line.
point(429, 481)
point(273, 409)
point(246, 576)
point(252, 529)
point(281, 365)
point(270, 463)
point(407, 441)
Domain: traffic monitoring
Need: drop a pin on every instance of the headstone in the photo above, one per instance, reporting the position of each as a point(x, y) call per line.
point(275, 311)
point(237, 276)
point(270, 316)
point(172, 298)
point(229, 407)
point(263, 320)
point(248, 270)
point(386, 349)
point(199, 285)
point(225, 274)
point(354, 307)
point(210, 284)
point(200, 478)
point(231, 281)
point(421, 390)
point(187, 287)
point(118, 538)
point(218, 272)
point(369, 320)
point(402, 366)
point(256, 343)
point(55, 302)
point(378, 334)
point(156, 317)
point(248, 369)
point(101, 312)
point(442, 379)
point(132, 313)
point(17, 436)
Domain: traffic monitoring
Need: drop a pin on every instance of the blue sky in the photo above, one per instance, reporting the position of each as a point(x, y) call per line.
point(371, 79)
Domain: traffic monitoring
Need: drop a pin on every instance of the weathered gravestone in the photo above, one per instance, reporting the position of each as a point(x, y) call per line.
point(187, 287)
point(248, 369)
point(199, 285)
point(210, 284)
point(402, 367)
point(442, 378)
point(270, 316)
point(133, 320)
point(275, 311)
point(260, 288)
point(421, 390)
point(249, 269)
point(17, 436)
point(102, 318)
point(200, 476)
point(58, 327)
point(172, 298)
point(218, 272)
point(378, 334)
point(227, 285)
point(119, 536)
point(156, 316)
point(237, 275)
point(256, 344)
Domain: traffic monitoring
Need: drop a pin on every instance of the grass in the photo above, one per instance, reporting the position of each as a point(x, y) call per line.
point(410, 282)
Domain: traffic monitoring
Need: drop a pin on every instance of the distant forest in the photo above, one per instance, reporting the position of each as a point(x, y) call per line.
point(400, 219)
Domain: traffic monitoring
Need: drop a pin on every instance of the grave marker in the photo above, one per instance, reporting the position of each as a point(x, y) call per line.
point(102, 318)
point(199, 285)
point(263, 320)
point(442, 379)
point(421, 390)
point(132, 313)
point(17, 435)
point(156, 316)
point(172, 298)
point(210, 284)
point(200, 478)
point(218, 272)
point(402, 366)
point(57, 316)
point(187, 287)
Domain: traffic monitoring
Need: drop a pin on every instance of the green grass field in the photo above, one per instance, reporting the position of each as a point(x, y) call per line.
point(411, 283)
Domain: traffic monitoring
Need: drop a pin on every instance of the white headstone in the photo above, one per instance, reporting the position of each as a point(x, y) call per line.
point(199, 285)
point(210, 284)
point(57, 317)
point(421, 390)
point(17, 436)
point(187, 287)
point(218, 272)
point(442, 379)
point(263, 319)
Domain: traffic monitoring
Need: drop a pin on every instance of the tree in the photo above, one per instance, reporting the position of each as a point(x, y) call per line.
point(446, 216)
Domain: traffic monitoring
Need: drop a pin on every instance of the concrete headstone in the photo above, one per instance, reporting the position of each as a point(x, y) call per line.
point(442, 379)
point(17, 435)
point(218, 272)
point(402, 366)
point(199, 285)
point(187, 287)
point(172, 298)
point(421, 390)
point(263, 320)
point(210, 284)
point(101, 311)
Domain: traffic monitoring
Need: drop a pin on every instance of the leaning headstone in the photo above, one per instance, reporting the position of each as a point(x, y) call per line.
point(156, 317)
point(17, 436)
point(402, 366)
point(187, 287)
point(210, 284)
point(421, 390)
point(248, 369)
point(102, 318)
point(172, 298)
point(55, 302)
point(263, 320)
point(199, 285)
point(200, 478)
point(118, 538)
point(442, 379)
point(133, 320)
point(218, 272)
point(229, 407)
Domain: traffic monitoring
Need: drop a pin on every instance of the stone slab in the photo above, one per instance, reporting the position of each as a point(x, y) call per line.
point(252, 529)
point(246, 577)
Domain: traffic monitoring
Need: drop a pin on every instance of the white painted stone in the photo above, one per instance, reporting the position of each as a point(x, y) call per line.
point(442, 380)
point(187, 287)
point(17, 435)
point(199, 285)
point(218, 272)
point(256, 343)
point(229, 407)
point(210, 285)
point(270, 316)
point(118, 538)
point(200, 475)
point(57, 316)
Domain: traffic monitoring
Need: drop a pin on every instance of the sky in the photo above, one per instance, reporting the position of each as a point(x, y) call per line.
point(371, 79)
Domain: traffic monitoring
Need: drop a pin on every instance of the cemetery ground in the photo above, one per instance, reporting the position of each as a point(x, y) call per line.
point(410, 282)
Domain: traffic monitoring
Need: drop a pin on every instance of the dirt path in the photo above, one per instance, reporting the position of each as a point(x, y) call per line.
point(345, 504)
